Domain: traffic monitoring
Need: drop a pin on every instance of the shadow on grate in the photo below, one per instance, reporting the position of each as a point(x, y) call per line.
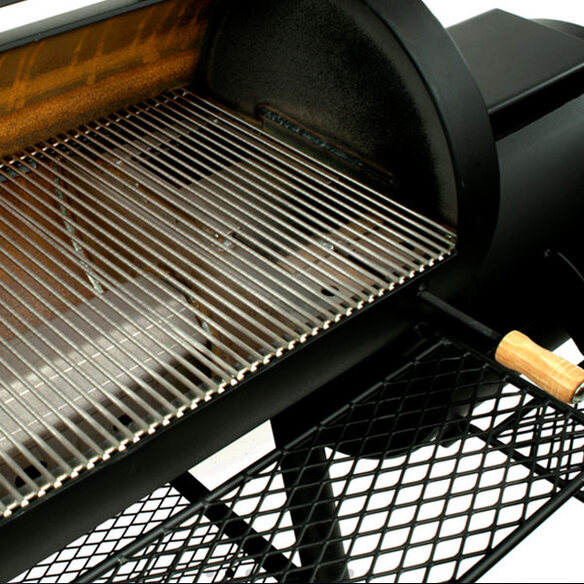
point(431, 475)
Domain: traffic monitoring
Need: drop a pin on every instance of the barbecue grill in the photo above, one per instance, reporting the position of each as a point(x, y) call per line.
point(215, 214)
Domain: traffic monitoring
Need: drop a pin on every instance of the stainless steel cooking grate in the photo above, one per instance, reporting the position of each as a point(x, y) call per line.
point(153, 258)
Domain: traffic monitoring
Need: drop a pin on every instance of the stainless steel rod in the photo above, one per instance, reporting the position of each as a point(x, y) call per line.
point(256, 181)
point(123, 274)
point(262, 165)
point(221, 259)
point(202, 214)
point(114, 285)
point(86, 337)
point(236, 191)
point(187, 205)
point(173, 252)
point(405, 214)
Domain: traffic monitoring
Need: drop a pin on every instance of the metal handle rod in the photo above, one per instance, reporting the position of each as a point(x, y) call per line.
point(555, 375)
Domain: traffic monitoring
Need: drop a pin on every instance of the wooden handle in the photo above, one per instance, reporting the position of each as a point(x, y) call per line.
point(553, 374)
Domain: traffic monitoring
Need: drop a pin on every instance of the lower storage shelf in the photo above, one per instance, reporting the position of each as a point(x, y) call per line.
point(430, 475)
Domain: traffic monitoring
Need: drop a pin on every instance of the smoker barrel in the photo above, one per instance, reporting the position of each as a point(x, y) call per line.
point(259, 189)
point(535, 102)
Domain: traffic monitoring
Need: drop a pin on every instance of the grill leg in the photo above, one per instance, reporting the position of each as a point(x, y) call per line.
point(255, 546)
point(313, 511)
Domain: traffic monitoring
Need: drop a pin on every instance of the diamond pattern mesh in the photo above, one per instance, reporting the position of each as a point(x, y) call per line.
point(427, 473)
point(108, 538)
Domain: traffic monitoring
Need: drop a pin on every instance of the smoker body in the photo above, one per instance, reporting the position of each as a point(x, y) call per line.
point(375, 90)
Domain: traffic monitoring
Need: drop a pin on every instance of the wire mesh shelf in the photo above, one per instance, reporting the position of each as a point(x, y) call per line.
point(431, 475)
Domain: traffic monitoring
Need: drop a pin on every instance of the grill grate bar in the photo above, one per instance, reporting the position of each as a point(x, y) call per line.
point(71, 307)
point(423, 228)
point(126, 190)
point(283, 205)
point(90, 236)
point(138, 215)
point(230, 265)
point(54, 388)
point(268, 163)
point(252, 243)
point(126, 273)
point(153, 258)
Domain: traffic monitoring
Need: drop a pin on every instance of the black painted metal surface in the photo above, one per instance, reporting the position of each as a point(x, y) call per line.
point(524, 68)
